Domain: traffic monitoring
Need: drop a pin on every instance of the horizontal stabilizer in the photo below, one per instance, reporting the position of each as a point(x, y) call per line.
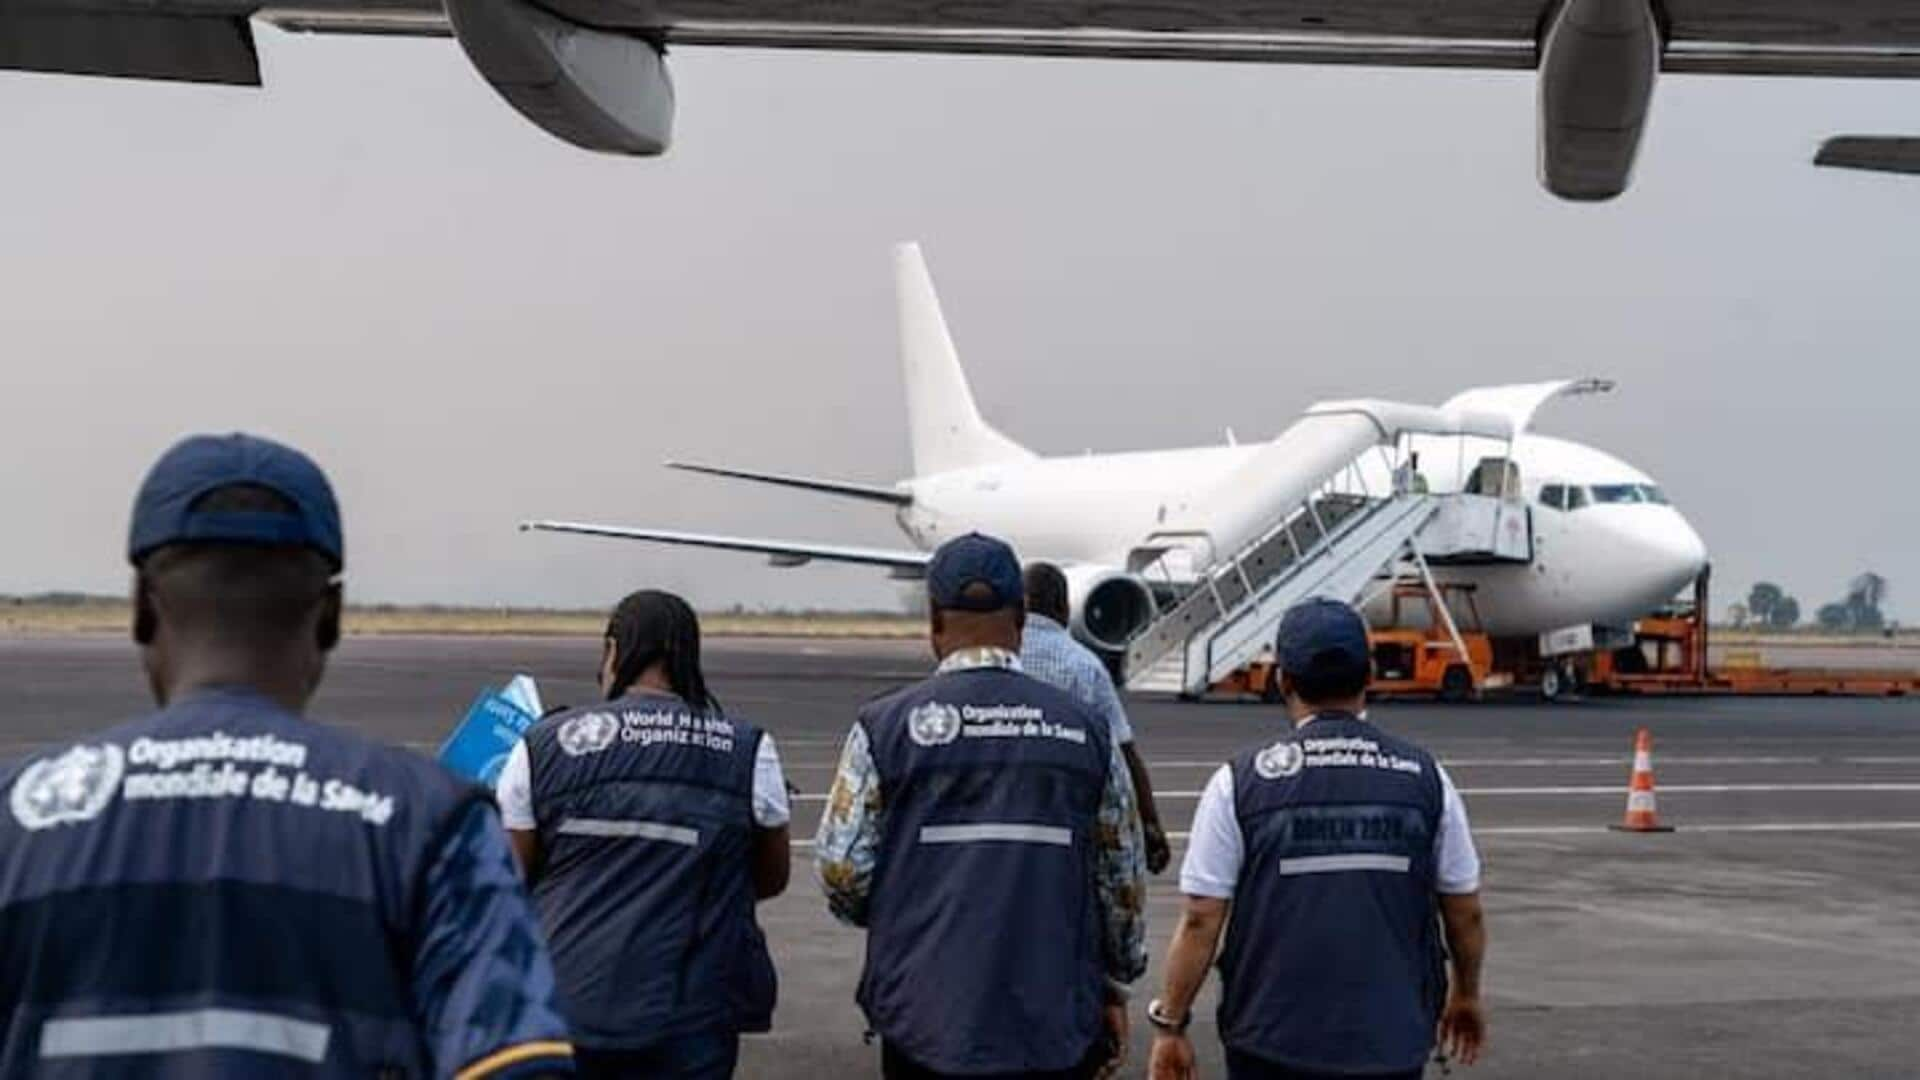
point(869, 492)
point(904, 564)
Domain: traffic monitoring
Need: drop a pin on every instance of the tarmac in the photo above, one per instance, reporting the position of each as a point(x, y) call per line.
point(1775, 934)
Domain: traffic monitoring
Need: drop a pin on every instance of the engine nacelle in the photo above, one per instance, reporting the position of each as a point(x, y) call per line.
point(597, 89)
point(1598, 62)
point(1110, 606)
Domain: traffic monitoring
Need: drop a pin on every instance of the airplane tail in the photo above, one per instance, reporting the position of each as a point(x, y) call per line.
point(945, 425)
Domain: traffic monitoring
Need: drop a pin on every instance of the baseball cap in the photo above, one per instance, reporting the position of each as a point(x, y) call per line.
point(164, 512)
point(969, 560)
point(1323, 637)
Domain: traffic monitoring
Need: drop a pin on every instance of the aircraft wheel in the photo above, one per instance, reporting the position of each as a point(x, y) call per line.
point(1557, 681)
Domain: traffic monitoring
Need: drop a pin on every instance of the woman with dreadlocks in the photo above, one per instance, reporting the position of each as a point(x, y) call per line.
point(648, 826)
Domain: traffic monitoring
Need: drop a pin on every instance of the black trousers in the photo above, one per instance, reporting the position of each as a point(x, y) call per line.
point(704, 1056)
point(1244, 1066)
point(895, 1066)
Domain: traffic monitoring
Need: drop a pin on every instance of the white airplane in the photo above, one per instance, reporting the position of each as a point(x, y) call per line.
point(1605, 545)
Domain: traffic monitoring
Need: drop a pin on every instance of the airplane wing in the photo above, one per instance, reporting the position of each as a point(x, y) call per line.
point(902, 564)
point(1747, 37)
point(594, 73)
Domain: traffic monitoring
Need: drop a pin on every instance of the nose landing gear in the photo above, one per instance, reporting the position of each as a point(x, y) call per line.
point(1558, 680)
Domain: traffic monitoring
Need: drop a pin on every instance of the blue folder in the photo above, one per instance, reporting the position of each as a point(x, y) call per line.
point(478, 748)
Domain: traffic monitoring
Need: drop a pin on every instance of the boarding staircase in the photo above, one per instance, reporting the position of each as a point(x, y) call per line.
point(1300, 518)
point(1332, 544)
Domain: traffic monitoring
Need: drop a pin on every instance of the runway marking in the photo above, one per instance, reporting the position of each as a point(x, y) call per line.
point(1724, 827)
point(1687, 789)
point(1593, 830)
point(1622, 761)
point(1597, 789)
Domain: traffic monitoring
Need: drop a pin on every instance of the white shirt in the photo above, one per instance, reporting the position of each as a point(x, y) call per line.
point(1216, 849)
point(771, 808)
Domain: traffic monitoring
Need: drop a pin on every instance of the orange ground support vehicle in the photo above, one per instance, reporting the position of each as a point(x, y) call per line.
point(1669, 656)
point(1430, 662)
point(1408, 662)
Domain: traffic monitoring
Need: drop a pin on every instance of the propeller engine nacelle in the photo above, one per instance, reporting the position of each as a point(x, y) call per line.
point(599, 89)
point(1598, 63)
point(1110, 606)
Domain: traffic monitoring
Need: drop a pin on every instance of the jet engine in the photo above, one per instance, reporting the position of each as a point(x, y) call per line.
point(1109, 606)
point(598, 89)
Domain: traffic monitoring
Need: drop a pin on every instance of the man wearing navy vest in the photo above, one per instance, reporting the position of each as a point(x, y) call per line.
point(225, 889)
point(982, 829)
point(1345, 854)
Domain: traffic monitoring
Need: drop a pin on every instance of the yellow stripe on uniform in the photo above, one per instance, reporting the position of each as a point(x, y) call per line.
point(513, 1055)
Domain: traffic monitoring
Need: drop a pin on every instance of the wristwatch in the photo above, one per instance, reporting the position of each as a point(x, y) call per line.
point(1172, 1025)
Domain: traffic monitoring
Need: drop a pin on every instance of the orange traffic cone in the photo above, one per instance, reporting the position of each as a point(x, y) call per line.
point(1641, 813)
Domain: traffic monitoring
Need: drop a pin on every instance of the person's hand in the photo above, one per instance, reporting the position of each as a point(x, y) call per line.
point(1463, 1029)
point(1172, 1058)
point(1159, 853)
point(1116, 1024)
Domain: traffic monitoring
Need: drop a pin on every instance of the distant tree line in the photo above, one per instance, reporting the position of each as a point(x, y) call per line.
point(1770, 607)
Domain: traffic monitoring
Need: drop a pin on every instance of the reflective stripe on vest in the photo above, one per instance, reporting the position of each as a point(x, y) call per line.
point(193, 1029)
point(640, 830)
point(1340, 864)
point(987, 833)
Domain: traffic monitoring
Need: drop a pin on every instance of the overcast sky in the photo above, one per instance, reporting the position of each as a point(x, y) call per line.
point(469, 323)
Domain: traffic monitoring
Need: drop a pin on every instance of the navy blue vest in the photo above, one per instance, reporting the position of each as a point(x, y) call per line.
point(645, 816)
point(222, 878)
point(1332, 958)
point(984, 928)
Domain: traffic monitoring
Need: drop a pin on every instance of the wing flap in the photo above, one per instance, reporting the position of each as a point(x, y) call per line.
point(1875, 153)
point(181, 48)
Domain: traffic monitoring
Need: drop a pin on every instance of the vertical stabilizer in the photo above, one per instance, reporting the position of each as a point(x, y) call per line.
point(946, 428)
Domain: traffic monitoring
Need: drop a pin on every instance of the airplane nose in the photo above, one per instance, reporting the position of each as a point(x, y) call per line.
point(1677, 552)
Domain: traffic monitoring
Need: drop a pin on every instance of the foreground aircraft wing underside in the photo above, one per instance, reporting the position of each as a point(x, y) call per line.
point(207, 41)
point(594, 72)
point(903, 564)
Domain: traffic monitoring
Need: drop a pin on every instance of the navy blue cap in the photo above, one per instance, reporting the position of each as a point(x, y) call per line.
point(163, 512)
point(1322, 636)
point(970, 560)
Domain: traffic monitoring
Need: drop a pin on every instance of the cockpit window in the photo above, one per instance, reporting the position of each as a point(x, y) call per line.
point(1576, 497)
point(1607, 494)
